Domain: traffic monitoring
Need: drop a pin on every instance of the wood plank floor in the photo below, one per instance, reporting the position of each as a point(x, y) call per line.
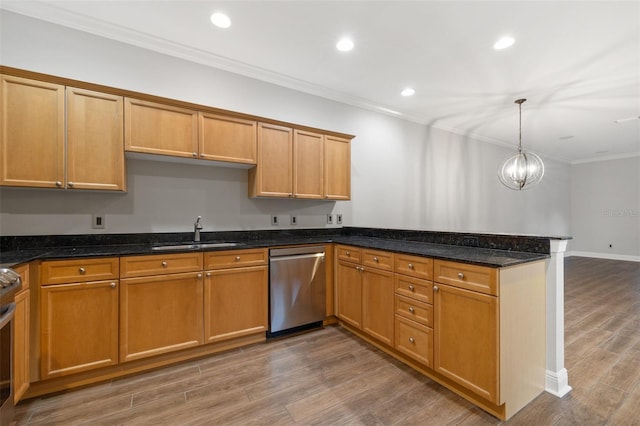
point(329, 377)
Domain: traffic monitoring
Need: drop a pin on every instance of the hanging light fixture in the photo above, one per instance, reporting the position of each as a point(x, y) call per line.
point(523, 170)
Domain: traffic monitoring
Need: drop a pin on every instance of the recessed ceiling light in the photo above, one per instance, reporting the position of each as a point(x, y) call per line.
point(345, 44)
point(408, 92)
point(504, 42)
point(220, 20)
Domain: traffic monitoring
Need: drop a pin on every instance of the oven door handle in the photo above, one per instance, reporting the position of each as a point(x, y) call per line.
point(8, 315)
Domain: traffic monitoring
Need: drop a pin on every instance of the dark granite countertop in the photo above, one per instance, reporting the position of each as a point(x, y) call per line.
point(475, 255)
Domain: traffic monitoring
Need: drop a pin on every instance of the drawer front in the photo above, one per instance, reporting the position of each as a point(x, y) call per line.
point(414, 288)
point(79, 270)
point(463, 275)
point(377, 259)
point(160, 264)
point(414, 266)
point(235, 258)
point(414, 340)
point(414, 310)
point(348, 253)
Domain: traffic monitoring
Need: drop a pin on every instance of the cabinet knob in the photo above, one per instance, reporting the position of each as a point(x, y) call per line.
point(199, 275)
point(208, 274)
point(412, 288)
point(411, 309)
point(82, 270)
point(412, 340)
point(58, 183)
point(290, 195)
point(348, 253)
point(237, 258)
point(460, 275)
point(195, 154)
point(410, 266)
point(112, 285)
point(436, 288)
point(70, 184)
point(375, 259)
point(164, 264)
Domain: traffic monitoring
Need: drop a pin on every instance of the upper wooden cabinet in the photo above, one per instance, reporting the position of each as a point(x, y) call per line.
point(155, 128)
point(163, 129)
point(337, 168)
point(33, 146)
point(32, 133)
point(300, 164)
point(95, 153)
point(224, 138)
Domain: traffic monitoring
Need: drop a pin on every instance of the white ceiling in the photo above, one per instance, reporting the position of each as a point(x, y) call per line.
point(577, 62)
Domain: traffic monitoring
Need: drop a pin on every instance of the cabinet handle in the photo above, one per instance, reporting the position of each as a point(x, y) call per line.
point(375, 259)
point(412, 340)
point(411, 309)
point(112, 285)
point(237, 258)
point(410, 266)
point(164, 264)
point(460, 275)
point(348, 253)
point(208, 274)
point(412, 288)
point(290, 195)
point(436, 288)
point(195, 154)
point(82, 270)
point(70, 184)
point(58, 183)
point(199, 275)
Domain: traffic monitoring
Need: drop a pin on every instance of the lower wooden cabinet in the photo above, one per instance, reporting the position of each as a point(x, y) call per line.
point(160, 314)
point(466, 347)
point(414, 340)
point(349, 293)
point(22, 336)
point(235, 302)
point(377, 304)
point(79, 327)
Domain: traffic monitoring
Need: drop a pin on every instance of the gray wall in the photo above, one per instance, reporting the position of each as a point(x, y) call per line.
point(404, 175)
point(605, 209)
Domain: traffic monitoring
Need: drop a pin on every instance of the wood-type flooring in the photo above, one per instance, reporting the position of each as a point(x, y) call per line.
point(330, 377)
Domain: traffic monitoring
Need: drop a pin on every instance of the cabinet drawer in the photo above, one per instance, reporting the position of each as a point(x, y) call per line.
point(348, 253)
point(414, 266)
point(414, 310)
point(463, 275)
point(414, 288)
point(79, 270)
point(414, 340)
point(160, 264)
point(235, 258)
point(377, 259)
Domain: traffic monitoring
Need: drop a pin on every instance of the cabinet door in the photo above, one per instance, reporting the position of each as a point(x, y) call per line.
point(95, 150)
point(31, 133)
point(160, 314)
point(349, 293)
point(79, 327)
point(466, 339)
point(308, 153)
point(229, 139)
point(160, 129)
point(378, 304)
point(235, 303)
point(21, 371)
point(273, 176)
point(337, 168)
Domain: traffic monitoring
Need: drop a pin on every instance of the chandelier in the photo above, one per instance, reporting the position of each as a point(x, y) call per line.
point(522, 170)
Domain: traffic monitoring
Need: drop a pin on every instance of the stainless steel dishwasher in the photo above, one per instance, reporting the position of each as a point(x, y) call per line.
point(296, 289)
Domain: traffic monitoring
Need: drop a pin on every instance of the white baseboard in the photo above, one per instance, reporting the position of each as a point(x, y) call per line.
point(557, 383)
point(610, 256)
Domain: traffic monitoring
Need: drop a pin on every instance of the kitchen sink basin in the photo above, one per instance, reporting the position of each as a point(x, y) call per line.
point(194, 246)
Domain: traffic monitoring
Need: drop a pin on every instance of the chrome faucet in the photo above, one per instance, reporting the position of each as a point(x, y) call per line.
point(197, 227)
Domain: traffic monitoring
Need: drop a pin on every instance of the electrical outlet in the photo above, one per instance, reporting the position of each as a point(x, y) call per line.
point(274, 220)
point(294, 220)
point(339, 219)
point(97, 222)
point(329, 219)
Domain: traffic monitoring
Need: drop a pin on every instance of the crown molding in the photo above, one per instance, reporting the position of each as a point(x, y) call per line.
point(607, 158)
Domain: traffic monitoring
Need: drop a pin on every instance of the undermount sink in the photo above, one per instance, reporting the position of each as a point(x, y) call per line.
point(194, 246)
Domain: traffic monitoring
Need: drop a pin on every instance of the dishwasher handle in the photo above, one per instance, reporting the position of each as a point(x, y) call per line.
point(297, 257)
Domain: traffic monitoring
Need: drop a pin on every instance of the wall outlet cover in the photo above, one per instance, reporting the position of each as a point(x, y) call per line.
point(274, 220)
point(294, 220)
point(329, 219)
point(339, 218)
point(97, 221)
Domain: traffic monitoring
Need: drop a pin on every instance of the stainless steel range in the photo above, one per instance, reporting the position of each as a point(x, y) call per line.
point(10, 284)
